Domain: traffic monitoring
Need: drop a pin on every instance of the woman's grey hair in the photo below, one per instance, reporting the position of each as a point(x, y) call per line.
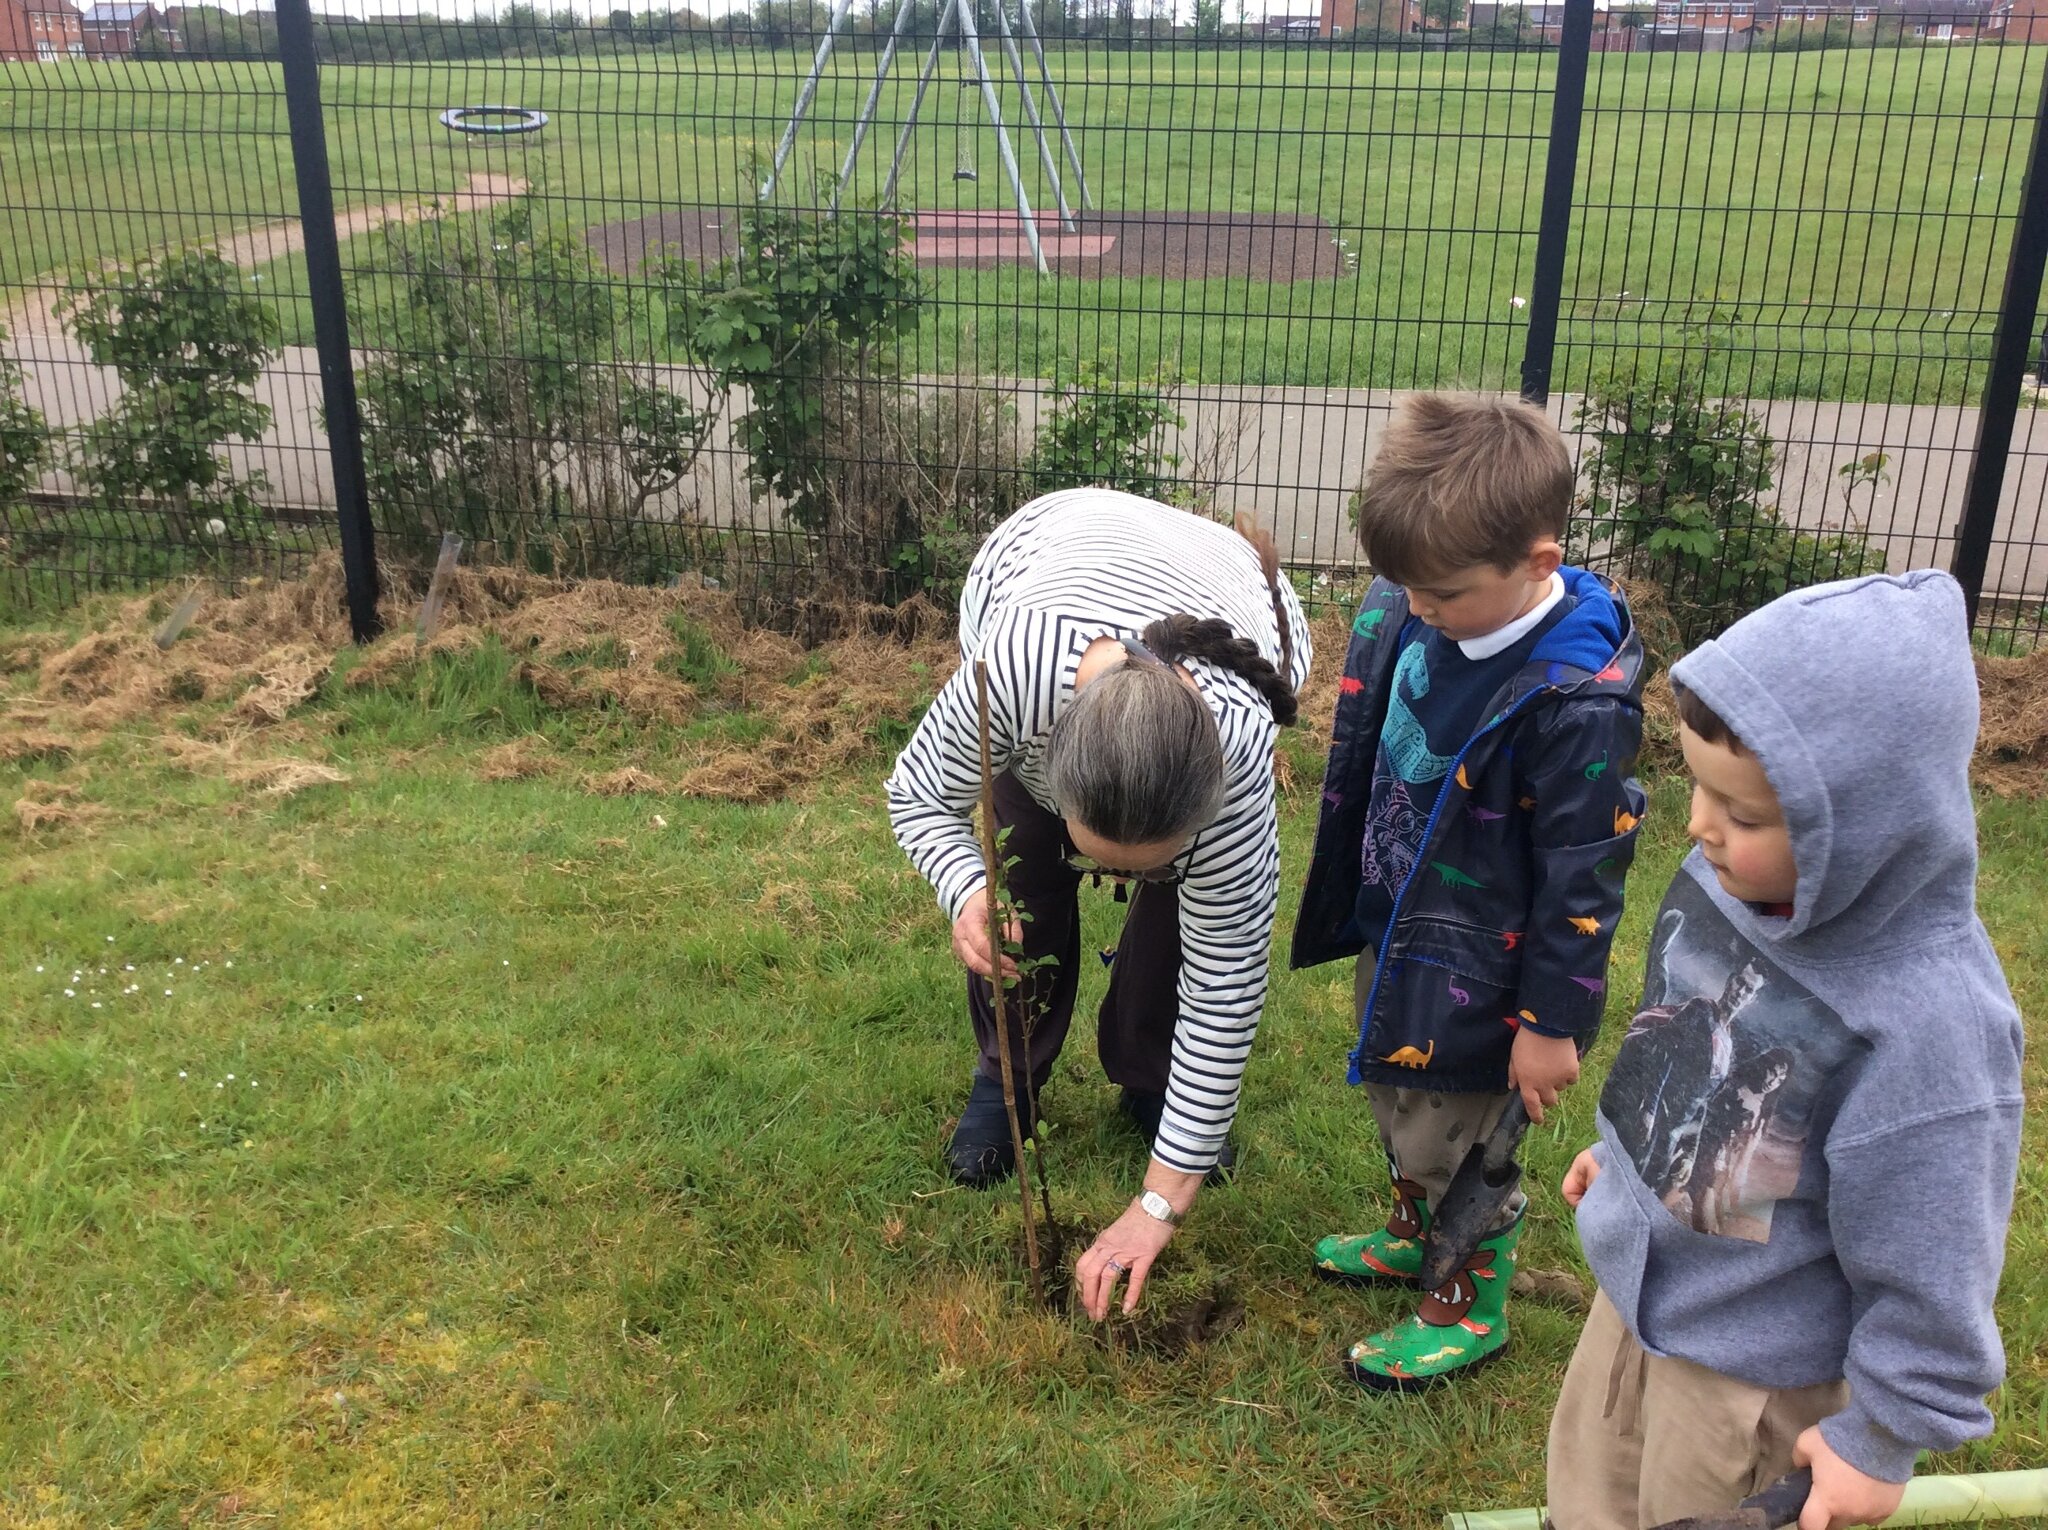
point(1136, 757)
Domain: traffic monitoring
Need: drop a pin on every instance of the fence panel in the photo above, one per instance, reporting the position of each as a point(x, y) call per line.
point(1817, 236)
point(1801, 219)
point(113, 159)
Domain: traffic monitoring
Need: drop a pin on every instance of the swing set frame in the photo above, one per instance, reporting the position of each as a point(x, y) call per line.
point(956, 21)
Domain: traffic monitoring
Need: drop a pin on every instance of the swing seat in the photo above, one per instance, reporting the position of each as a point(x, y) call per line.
point(966, 175)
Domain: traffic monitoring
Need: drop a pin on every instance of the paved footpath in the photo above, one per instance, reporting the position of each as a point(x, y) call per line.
point(1292, 455)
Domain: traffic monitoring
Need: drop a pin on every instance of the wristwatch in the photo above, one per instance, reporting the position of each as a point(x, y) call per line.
point(1158, 1207)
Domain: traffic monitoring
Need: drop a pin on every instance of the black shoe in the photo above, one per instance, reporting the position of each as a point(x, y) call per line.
point(981, 1153)
point(1144, 1111)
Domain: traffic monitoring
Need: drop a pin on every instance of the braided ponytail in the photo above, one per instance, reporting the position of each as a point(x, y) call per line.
point(1181, 636)
point(1248, 527)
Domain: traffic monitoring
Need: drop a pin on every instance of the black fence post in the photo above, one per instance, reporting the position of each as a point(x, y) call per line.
point(330, 311)
point(1553, 234)
point(2010, 340)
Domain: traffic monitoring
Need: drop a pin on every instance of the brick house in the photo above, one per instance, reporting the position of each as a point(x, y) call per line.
point(114, 27)
point(1341, 18)
point(40, 31)
point(1702, 26)
point(2020, 21)
point(1922, 20)
point(1544, 20)
point(1944, 20)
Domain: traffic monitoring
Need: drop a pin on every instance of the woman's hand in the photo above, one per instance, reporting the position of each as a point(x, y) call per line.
point(1131, 1244)
point(970, 937)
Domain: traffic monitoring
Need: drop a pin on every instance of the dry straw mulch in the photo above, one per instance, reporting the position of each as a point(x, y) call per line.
point(592, 646)
point(601, 647)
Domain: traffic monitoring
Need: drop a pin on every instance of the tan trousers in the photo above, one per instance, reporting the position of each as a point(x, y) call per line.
point(1637, 1440)
point(1427, 1133)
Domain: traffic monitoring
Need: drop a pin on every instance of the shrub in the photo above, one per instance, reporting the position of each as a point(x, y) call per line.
point(189, 346)
point(1108, 434)
point(24, 438)
point(800, 318)
point(1675, 496)
point(505, 410)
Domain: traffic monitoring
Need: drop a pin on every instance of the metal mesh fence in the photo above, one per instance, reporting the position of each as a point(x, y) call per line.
point(104, 161)
point(585, 342)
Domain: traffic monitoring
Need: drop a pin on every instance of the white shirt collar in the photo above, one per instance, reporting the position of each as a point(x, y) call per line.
point(1503, 638)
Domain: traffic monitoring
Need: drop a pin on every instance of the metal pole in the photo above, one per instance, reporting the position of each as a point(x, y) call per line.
point(964, 9)
point(1059, 112)
point(1045, 155)
point(330, 313)
point(924, 80)
point(2009, 340)
point(803, 97)
point(867, 111)
point(1567, 112)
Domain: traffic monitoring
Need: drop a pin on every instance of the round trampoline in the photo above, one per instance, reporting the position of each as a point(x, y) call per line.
point(496, 121)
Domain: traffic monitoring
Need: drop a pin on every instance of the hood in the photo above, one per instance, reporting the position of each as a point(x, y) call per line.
point(1860, 701)
point(1593, 649)
point(1592, 634)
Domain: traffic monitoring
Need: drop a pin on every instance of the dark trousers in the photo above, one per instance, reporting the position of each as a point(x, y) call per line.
point(1134, 1027)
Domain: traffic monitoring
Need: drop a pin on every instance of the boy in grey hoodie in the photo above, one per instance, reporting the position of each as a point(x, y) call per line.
point(1797, 1207)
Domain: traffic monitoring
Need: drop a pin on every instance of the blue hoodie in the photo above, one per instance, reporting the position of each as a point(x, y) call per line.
point(1809, 1134)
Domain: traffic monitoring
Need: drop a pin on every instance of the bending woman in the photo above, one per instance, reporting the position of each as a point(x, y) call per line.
point(1141, 662)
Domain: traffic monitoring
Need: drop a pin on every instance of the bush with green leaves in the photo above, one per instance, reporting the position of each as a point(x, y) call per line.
point(505, 411)
point(1109, 434)
point(1675, 496)
point(24, 437)
point(800, 318)
point(188, 345)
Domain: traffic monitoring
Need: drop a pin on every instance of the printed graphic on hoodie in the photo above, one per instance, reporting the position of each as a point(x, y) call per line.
point(1714, 1090)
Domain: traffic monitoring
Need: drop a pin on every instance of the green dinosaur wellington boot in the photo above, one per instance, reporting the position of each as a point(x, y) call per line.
point(1392, 1254)
point(1460, 1325)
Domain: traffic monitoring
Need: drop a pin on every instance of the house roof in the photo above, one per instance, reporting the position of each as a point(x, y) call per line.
point(117, 12)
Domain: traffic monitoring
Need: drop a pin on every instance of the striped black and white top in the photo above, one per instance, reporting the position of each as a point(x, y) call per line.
point(1063, 571)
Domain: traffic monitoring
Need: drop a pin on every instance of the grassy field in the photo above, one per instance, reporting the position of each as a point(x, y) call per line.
point(1843, 213)
point(422, 1151)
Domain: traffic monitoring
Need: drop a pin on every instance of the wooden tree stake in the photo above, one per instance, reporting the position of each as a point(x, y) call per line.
point(992, 868)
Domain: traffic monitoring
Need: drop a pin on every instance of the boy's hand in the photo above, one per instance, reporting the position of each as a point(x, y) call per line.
point(1841, 1496)
point(1578, 1179)
point(1541, 1067)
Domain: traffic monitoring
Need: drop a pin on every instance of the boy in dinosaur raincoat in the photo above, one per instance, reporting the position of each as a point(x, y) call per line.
point(1479, 816)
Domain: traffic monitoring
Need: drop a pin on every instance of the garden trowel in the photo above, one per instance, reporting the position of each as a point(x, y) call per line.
point(1485, 1182)
point(1777, 1505)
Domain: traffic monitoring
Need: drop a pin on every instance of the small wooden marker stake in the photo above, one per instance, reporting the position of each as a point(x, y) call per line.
point(437, 589)
point(181, 617)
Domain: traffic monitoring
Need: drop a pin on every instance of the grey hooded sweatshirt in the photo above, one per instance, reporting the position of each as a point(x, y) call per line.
point(1809, 1135)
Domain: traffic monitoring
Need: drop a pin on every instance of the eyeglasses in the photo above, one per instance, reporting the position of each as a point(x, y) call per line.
point(1170, 875)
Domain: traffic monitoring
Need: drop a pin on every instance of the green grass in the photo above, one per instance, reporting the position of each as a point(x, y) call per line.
point(579, 1169)
point(700, 662)
point(1848, 209)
